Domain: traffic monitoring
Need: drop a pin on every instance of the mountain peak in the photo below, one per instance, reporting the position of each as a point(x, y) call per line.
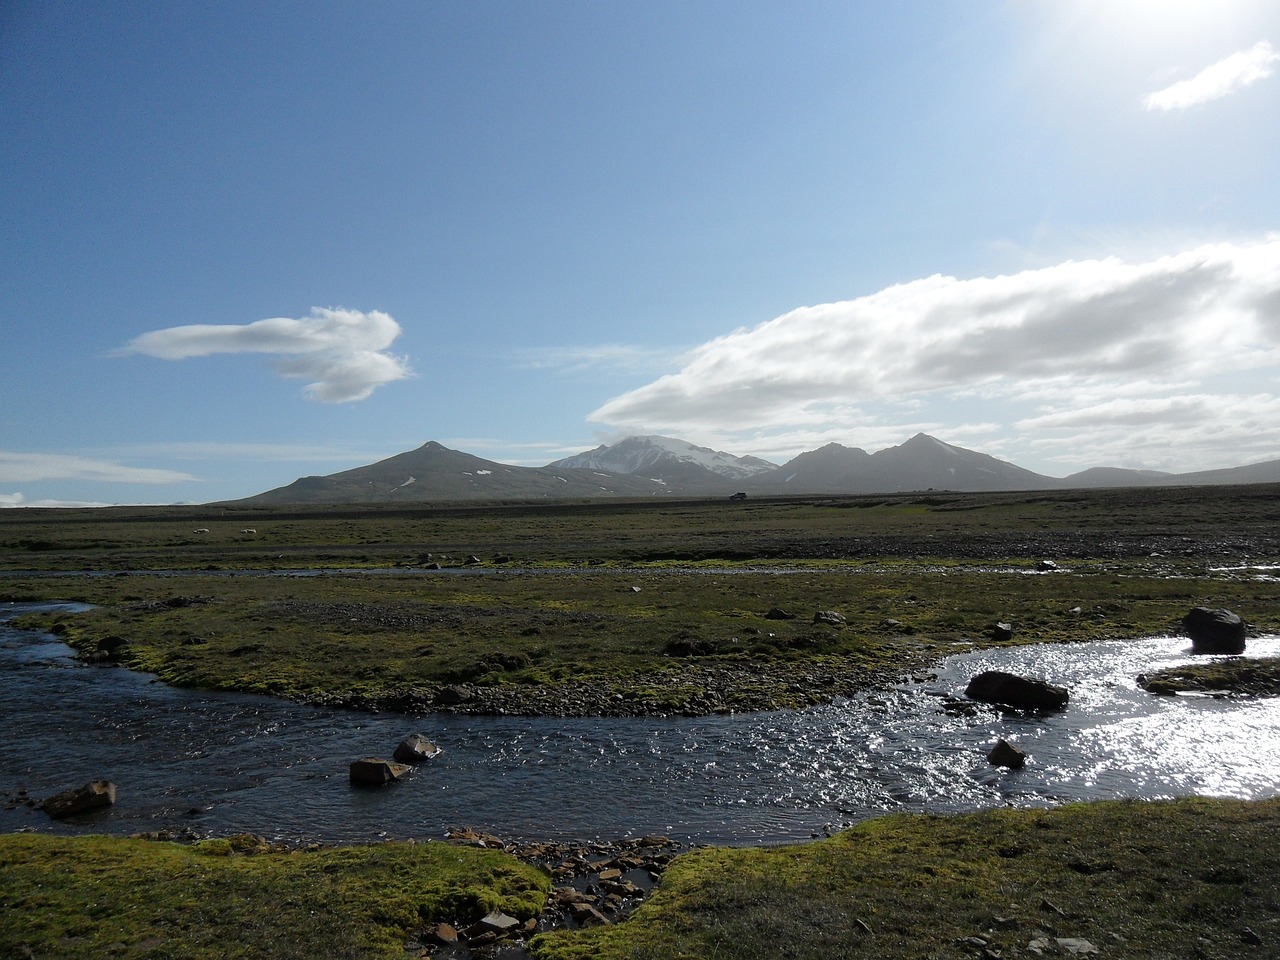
point(666, 459)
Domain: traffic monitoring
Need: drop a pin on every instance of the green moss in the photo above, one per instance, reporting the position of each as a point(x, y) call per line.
point(94, 896)
point(1138, 880)
point(1252, 676)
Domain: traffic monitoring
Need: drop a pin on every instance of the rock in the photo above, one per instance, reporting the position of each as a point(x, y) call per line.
point(92, 796)
point(1005, 754)
point(1075, 946)
point(453, 695)
point(111, 645)
point(495, 922)
point(1020, 693)
point(1002, 632)
point(1046, 565)
point(372, 771)
point(414, 749)
point(441, 934)
point(777, 613)
point(829, 616)
point(585, 915)
point(1214, 631)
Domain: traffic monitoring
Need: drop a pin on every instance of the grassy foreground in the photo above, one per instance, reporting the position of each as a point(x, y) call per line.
point(93, 897)
point(1189, 878)
point(1193, 878)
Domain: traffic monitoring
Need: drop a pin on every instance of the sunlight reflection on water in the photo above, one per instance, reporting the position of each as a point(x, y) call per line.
point(245, 763)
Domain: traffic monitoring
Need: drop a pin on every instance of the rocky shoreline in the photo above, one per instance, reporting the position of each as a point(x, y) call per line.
point(594, 883)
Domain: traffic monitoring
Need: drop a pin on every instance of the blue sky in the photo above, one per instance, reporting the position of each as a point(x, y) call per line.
point(247, 242)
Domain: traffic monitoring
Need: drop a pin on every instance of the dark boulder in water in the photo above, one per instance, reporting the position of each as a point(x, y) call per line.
point(415, 748)
point(1020, 693)
point(92, 796)
point(1214, 631)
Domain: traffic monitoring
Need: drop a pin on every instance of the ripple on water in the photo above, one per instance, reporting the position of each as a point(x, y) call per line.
point(224, 763)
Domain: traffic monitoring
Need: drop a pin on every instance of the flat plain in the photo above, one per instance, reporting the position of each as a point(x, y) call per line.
point(662, 606)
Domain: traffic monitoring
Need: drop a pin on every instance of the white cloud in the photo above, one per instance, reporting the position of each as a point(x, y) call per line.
point(1067, 351)
point(1217, 80)
point(343, 352)
point(18, 500)
point(17, 467)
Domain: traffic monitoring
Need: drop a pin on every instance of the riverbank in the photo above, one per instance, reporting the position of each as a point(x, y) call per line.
point(630, 608)
point(1134, 879)
point(634, 642)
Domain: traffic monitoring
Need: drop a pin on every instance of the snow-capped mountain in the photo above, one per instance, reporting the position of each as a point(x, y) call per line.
point(665, 459)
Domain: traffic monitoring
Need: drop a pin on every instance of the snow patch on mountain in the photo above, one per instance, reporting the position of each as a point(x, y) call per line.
point(638, 455)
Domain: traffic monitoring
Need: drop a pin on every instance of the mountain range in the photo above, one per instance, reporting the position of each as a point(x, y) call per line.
point(651, 465)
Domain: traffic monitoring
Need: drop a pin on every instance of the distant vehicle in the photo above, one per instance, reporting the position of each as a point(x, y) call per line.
point(738, 496)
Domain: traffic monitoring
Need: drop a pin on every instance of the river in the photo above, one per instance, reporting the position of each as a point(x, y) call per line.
point(228, 763)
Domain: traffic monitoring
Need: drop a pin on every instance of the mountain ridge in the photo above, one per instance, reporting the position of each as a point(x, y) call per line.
point(652, 465)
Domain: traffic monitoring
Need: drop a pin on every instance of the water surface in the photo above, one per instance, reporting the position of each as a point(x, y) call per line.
point(226, 763)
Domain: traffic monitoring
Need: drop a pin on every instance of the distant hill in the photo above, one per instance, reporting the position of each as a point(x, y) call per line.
point(434, 472)
point(922, 463)
point(651, 465)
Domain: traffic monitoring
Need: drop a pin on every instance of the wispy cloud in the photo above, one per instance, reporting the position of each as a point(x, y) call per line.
point(1217, 80)
point(342, 352)
point(1105, 344)
point(612, 356)
point(19, 467)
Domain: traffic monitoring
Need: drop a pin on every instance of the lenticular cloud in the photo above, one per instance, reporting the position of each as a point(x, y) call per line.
point(342, 352)
point(1169, 320)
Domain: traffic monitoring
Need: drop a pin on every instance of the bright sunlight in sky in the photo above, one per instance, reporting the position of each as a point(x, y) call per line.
point(248, 242)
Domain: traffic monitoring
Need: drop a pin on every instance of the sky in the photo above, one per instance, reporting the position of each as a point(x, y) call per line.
point(246, 242)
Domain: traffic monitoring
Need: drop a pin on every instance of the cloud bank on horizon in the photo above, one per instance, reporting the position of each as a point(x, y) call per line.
point(1107, 358)
point(342, 352)
point(1217, 80)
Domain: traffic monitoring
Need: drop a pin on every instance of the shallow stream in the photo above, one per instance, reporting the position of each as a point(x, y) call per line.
point(229, 763)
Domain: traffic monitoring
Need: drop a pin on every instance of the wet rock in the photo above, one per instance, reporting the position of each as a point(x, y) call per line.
point(415, 748)
point(1005, 754)
point(585, 915)
point(69, 803)
point(1020, 693)
point(1214, 631)
point(374, 772)
point(495, 922)
point(1002, 632)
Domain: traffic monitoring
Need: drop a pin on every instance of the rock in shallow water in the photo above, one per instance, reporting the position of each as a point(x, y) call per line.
point(1214, 631)
point(92, 796)
point(1020, 693)
point(374, 772)
point(415, 748)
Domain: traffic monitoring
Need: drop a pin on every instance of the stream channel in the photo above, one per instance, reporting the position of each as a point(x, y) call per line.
point(219, 764)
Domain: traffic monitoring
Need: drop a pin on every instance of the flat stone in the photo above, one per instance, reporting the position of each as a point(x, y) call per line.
point(372, 771)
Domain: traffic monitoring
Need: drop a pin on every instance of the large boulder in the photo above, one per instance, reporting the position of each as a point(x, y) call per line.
point(1020, 693)
point(1214, 631)
point(414, 749)
point(92, 796)
point(373, 772)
